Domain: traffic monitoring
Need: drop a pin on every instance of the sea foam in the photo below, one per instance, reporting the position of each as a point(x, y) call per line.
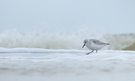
point(60, 40)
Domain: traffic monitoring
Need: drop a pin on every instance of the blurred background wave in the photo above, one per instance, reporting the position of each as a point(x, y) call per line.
point(63, 40)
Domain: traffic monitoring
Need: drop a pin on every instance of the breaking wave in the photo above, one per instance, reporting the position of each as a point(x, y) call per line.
point(119, 41)
point(59, 40)
point(42, 39)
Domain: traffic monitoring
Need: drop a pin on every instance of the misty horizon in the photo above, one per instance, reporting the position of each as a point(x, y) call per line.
point(99, 16)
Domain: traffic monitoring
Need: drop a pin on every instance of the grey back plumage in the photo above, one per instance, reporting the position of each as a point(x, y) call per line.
point(98, 42)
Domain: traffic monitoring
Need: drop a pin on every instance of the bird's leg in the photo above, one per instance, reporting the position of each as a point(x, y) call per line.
point(89, 52)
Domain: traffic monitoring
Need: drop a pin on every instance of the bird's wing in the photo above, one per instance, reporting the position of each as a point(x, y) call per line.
point(99, 42)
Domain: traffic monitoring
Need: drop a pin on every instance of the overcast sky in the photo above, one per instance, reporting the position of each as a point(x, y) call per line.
point(115, 16)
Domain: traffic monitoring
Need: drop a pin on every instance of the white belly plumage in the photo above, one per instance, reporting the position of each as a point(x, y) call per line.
point(94, 46)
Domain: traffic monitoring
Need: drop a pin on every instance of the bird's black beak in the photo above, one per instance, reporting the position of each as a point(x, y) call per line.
point(83, 45)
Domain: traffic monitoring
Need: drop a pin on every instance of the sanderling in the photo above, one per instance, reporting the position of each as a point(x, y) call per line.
point(94, 45)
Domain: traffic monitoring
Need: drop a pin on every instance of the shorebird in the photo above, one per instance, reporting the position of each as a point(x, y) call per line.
point(93, 45)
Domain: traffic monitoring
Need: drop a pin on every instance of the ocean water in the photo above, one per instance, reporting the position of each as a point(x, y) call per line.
point(43, 39)
point(32, 64)
point(58, 56)
point(60, 39)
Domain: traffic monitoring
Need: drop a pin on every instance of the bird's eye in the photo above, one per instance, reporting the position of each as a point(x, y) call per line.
point(85, 41)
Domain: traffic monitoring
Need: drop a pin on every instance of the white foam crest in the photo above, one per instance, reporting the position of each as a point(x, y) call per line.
point(60, 40)
point(42, 39)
